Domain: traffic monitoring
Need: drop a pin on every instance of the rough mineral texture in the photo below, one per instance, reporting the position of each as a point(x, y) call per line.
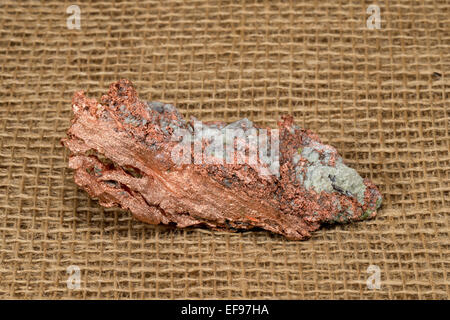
point(122, 153)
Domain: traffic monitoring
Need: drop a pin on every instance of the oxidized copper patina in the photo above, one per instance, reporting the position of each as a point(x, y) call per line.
point(122, 154)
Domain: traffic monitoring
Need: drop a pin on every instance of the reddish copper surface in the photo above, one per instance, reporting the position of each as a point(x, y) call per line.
point(121, 155)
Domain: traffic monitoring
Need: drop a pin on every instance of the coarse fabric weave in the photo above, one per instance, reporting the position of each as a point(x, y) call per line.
point(380, 96)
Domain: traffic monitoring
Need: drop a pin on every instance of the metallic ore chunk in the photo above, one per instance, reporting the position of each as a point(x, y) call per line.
point(122, 153)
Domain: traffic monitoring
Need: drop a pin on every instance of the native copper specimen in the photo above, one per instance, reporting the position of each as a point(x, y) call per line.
point(126, 152)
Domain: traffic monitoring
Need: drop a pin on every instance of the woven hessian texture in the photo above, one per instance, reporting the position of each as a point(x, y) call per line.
point(380, 96)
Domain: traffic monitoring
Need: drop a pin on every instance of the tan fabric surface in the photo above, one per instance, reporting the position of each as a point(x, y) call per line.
point(381, 97)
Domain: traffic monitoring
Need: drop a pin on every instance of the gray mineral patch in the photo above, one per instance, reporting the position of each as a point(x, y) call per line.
point(156, 106)
point(340, 178)
point(240, 124)
point(170, 108)
point(310, 154)
point(295, 158)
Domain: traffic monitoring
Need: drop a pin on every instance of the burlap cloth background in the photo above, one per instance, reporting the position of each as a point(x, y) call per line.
point(380, 96)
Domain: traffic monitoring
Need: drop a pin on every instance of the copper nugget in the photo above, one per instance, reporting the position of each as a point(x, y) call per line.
point(144, 157)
